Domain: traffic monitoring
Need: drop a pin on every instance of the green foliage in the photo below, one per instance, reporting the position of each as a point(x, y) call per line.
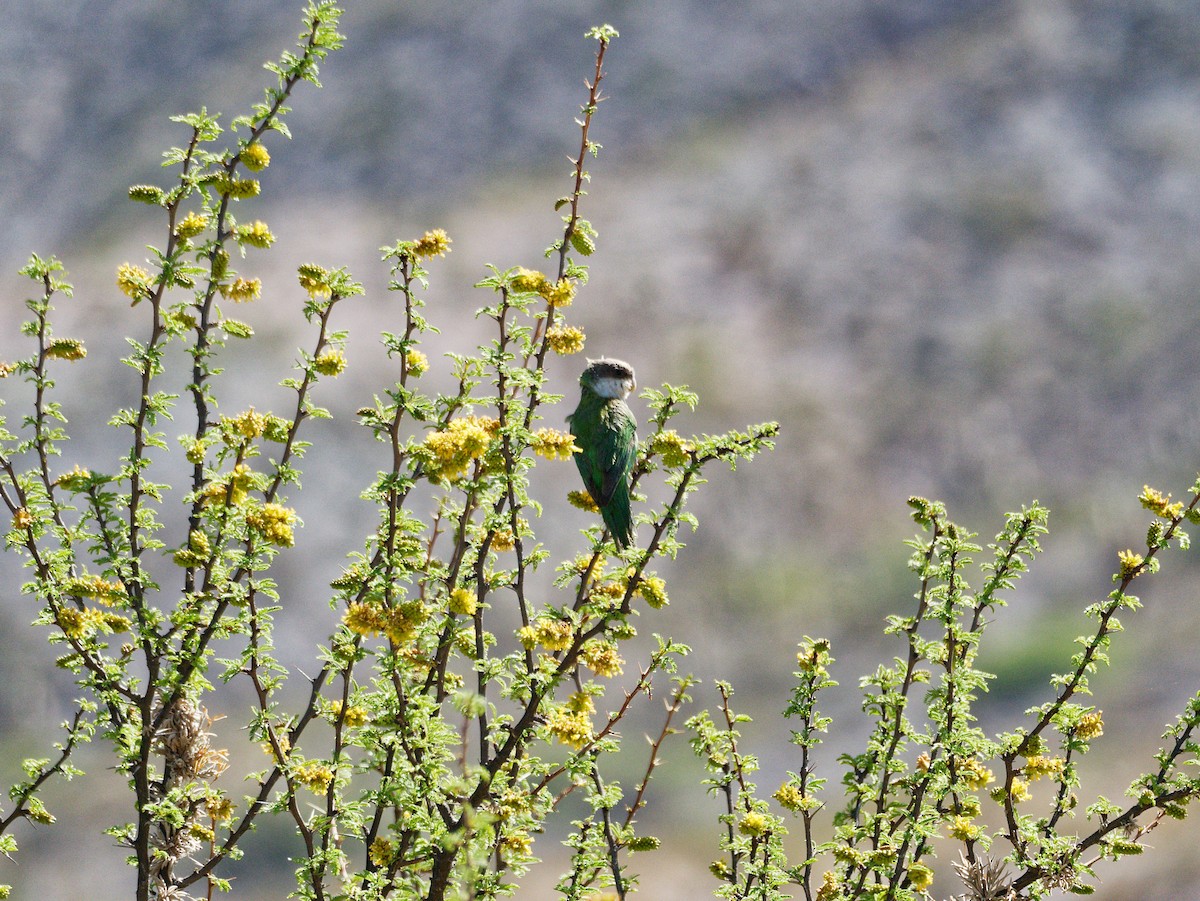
point(458, 698)
point(437, 738)
point(927, 776)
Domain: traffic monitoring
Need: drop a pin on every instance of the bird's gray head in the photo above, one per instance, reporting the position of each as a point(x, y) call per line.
point(609, 378)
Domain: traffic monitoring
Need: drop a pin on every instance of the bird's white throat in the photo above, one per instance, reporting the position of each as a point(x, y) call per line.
point(610, 388)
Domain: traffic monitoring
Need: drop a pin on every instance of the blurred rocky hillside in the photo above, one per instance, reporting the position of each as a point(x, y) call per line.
point(951, 245)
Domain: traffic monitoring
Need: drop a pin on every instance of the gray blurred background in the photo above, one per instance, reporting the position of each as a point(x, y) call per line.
point(950, 245)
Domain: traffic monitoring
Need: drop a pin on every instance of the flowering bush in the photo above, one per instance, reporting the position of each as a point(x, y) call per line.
point(456, 700)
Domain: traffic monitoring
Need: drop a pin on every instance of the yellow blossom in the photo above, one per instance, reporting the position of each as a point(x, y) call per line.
point(331, 363)
point(754, 824)
point(570, 727)
point(218, 808)
point(75, 480)
point(974, 774)
point(93, 586)
point(402, 620)
point(257, 234)
point(653, 590)
point(1131, 564)
point(364, 619)
point(920, 876)
point(1020, 791)
point(560, 294)
point(146, 193)
point(134, 282)
point(255, 157)
point(70, 349)
point(242, 290)
point(434, 243)
point(316, 777)
point(382, 851)
point(315, 280)
point(1091, 725)
point(528, 281)
point(463, 602)
point(451, 450)
point(964, 830)
point(789, 797)
point(7, 369)
point(517, 844)
point(416, 362)
point(274, 523)
point(22, 519)
point(553, 444)
point(1038, 766)
point(237, 188)
point(191, 225)
point(830, 888)
point(247, 424)
point(565, 339)
point(582, 500)
point(601, 657)
point(553, 634)
point(673, 449)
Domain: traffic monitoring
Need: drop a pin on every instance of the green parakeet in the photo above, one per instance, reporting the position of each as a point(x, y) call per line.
point(606, 433)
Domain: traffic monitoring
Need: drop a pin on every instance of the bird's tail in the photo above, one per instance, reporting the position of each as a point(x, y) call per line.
point(618, 518)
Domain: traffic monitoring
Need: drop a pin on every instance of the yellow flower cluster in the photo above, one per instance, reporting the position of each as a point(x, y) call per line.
point(75, 480)
point(93, 586)
point(530, 281)
point(582, 500)
point(398, 623)
point(22, 519)
point(553, 444)
point(1131, 564)
point(316, 777)
point(964, 830)
point(257, 234)
point(330, 363)
point(197, 551)
point(145, 193)
point(1160, 505)
point(1038, 766)
point(70, 349)
point(601, 657)
point(237, 188)
point(242, 290)
point(830, 887)
point(314, 279)
point(134, 281)
point(653, 590)
point(516, 844)
point(7, 369)
point(232, 488)
point(191, 225)
point(789, 797)
point(1020, 791)
point(673, 449)
point(434, 243)
point(503, 541)
point(77, 623)
point(247, 424)
point(1090, 725)
point(974, 774)
point(354, 716)
point(382, 851)
point(255, 157)
point(571, 724)
point(451, 450)
point(218, 808)
point(920, 876)
point(754, 824)
point(274, 522)
point(565, 339)
point(552, 634)
point(416, 362)
point(463, 602)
